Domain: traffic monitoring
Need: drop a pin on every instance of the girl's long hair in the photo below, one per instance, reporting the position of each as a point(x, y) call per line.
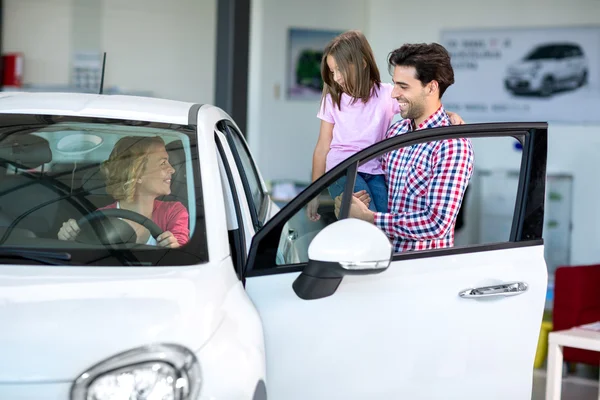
point(354, 58)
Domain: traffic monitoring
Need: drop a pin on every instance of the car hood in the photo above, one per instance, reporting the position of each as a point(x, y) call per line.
point(524, 66)
point(59, 321)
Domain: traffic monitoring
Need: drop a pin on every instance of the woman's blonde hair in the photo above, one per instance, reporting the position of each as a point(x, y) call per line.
point(354, 57)
point(126, 164)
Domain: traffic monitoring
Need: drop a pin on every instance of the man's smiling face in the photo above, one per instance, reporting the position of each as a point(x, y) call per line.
point(409, 92)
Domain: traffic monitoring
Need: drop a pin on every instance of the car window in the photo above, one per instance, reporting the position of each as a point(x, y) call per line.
point(543, 53)
point(427, 196)
point(99, 174)
point(572, 51)
point(248, 172)
point(437, 202)
point(305, 224)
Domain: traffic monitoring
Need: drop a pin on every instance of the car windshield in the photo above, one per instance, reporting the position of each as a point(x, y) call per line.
point(88, 191)
point(543, 53)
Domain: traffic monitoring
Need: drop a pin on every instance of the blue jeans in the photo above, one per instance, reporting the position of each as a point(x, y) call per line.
point(373, 184)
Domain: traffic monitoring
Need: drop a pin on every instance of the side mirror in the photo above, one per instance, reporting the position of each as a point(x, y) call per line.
point(346, 247)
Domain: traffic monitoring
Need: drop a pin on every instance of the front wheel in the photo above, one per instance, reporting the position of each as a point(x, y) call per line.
point(584, 79)
point(547, 88)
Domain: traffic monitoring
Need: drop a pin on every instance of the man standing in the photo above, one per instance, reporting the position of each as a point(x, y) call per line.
point(427, 181)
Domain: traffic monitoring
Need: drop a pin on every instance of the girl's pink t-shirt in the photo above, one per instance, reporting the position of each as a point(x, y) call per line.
point(359, 125)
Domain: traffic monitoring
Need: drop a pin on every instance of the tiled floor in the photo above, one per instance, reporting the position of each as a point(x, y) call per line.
point(583, 385)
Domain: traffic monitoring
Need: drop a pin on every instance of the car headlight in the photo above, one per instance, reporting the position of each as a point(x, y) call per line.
point(157, 372)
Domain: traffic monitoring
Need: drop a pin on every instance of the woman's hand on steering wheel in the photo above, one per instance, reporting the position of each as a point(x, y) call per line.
point(69, 230)
point(167, 239)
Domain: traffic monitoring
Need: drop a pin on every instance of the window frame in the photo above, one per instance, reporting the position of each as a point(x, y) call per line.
point(258, 212)
point(239, 237)
point(527, 223)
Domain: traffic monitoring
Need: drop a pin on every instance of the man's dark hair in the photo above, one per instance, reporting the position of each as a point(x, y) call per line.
point(432, 62)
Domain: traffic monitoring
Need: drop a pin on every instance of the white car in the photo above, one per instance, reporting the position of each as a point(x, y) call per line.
point(259, 301)
point(547, 69)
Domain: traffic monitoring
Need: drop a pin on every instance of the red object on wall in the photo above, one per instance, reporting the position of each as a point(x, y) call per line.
point(12, 67)
point(577, 302)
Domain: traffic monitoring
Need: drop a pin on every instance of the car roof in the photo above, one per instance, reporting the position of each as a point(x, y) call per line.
point(558, 44)
point(95, 105)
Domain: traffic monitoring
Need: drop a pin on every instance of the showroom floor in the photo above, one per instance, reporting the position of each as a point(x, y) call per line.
point(581, 385)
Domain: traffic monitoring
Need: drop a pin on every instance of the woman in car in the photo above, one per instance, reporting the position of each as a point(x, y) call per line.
point(136, 173)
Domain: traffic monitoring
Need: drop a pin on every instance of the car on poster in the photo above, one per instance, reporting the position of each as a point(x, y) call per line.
point(547, 69)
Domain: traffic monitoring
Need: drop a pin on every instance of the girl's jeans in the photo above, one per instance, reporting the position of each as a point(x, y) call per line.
point(373, 184)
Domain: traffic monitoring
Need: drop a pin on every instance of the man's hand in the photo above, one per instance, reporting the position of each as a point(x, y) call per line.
point(358, 207)
point(455, 119)
point(364, 197)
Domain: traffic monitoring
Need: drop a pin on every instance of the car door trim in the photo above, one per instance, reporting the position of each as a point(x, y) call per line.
point(238, 234)
point(226, 128)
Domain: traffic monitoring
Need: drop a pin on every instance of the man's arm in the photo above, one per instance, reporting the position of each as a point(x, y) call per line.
point(453, 169)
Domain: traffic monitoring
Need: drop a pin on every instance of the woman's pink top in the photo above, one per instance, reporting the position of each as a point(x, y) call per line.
point(170, 216)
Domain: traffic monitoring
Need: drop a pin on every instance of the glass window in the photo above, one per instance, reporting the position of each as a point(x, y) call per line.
point(439, 194)
point(247, 169)
point(543, 53)
point(305, 224)
point(85, 185)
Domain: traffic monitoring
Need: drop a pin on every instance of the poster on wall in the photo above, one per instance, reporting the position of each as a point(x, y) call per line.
point(305, 51)
point(538, 74)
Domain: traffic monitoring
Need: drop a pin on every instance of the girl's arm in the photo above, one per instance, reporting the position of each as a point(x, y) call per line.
point(318, 167)
point(321, 149)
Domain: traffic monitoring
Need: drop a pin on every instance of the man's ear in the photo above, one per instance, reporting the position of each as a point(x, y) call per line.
point(433, 87)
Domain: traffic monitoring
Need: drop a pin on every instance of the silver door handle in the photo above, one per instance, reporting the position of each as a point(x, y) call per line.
point(505, 289)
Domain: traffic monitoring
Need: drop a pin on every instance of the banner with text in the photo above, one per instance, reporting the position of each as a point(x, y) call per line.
point(550, 74)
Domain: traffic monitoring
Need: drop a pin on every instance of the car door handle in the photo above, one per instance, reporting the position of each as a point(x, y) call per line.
point(505, 289)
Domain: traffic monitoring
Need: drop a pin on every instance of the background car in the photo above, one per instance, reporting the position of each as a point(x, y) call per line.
point(259, 301)
point(547, 69)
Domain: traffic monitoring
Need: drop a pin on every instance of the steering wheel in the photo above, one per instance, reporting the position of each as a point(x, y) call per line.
point(116, 231)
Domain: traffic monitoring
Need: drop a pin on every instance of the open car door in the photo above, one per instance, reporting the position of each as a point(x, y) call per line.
point(340, 322)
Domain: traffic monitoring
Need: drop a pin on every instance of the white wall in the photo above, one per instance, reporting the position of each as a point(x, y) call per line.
point(86, 24)
point(283, 133)
point(572, 149)
point(167, 48)
point(41, 29)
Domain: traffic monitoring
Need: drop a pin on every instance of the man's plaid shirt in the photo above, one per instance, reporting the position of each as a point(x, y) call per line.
point(426, 184)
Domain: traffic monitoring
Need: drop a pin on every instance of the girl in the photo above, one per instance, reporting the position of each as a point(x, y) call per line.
point(356, 111)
